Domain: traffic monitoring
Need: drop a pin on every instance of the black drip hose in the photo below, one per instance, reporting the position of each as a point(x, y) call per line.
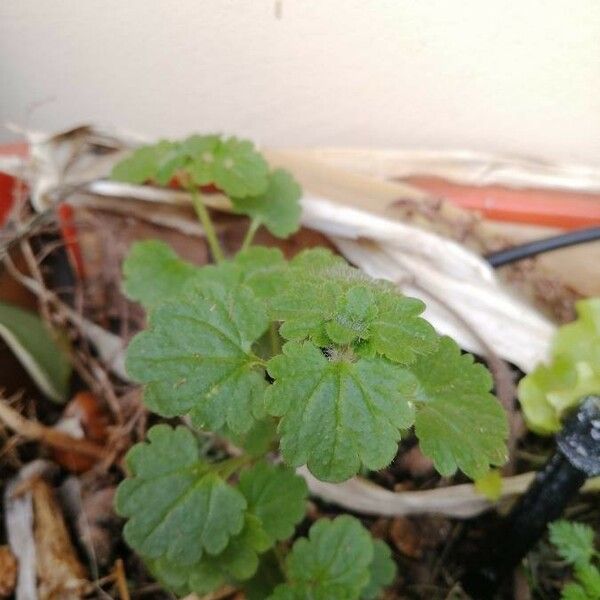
point(505, 257)
point(556, 484)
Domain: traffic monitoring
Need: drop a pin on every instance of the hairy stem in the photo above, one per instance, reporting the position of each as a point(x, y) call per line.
point(230, 466)
point(252, 229)
point(207, 224)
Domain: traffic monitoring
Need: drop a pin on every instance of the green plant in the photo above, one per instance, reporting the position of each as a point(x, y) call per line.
point(575, 544)
point(309, 356)
point(552, 389)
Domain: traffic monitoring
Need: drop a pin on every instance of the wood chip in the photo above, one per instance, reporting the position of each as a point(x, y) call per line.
point(8, 572)
point(61, 576)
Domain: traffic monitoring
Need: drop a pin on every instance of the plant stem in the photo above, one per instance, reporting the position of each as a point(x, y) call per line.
point(228, 467)
point(207, 224)
point(274, 339)
point(252, 229)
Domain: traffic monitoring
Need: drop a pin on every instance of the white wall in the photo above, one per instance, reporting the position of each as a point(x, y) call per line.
point(510, 76)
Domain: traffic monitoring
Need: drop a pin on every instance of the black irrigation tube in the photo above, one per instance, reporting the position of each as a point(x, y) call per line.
point(505, 257)
point(576, 458)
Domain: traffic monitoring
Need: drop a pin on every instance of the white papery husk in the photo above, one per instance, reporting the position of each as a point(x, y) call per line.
point(464, 297)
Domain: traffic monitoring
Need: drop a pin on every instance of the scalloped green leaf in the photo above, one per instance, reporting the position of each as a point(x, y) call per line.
point(196, 357)
point(259, 268)
point(177, 508)
point(278, 208)
point(276, 499)
point(238, 562)
point(153, 272)
point(336, 415)
point(143, 164)
point(459, 423)
point(277, 496)
point(238, 169)
point(382, 571)
point(333, 563)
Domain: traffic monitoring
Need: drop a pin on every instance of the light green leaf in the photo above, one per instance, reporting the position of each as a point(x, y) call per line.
point(259, 268)
point(329, 302)
point(143, 164)
point(196, 358)
point(336, 415)
point(277, 496)
point(573, 591)
point(551, 390)
point(153, 272)
point(238, 169)
point(589, 577)
point(460, 425)
point(574, 541)
point(201, 151)
point(43, 354)
point(332, 564)
point(278, 208)
point(382, 571)
point(355, 311)
point(177, 507)
point(490, 485)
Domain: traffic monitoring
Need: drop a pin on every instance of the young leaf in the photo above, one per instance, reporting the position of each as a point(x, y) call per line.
point(277, 496)
point(42, 354)
point(332, 564)
point(490, 485)
point(153, 272)
point(551, 390)
point(143, 164)
point(460, 425)
point(382, 571)
point(259, 268)
point(336, 415)
point(196, 358)
point(278, 208)
point(589, 577)
point(574, 541)
point(177, 507)
point(574, 591)
point(329, 302)
point(238, 169)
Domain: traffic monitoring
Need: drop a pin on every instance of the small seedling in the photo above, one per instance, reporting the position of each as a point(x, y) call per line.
point(575, 544)
point(308, 357)
point(555, 388)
